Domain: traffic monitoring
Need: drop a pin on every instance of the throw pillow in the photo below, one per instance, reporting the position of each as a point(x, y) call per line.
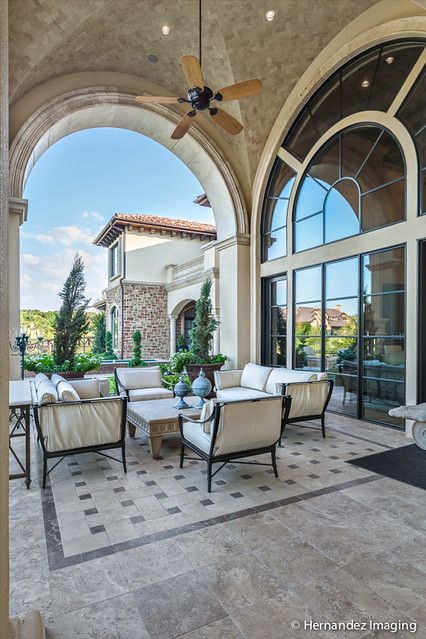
point(67, 393)
point(46, 393)
point(207, 412)
point(40, 377)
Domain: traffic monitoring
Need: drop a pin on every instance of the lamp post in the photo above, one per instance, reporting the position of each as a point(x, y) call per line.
point(20, 346)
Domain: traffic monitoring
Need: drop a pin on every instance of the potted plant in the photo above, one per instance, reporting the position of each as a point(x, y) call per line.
point(181, 343)
point(136, 361)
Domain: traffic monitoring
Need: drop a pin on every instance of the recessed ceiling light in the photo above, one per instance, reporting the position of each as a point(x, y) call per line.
point(152, 58)
point(365, 84)
point(270, 15)
point(165, 30)
point(390, 59)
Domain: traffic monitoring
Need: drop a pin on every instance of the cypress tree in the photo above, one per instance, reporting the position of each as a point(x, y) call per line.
point(201, 333)
point(71, 321)
point(100, 330)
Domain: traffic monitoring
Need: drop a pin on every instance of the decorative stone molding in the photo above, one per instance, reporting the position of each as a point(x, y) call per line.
point(19, 207)
point(193, 278)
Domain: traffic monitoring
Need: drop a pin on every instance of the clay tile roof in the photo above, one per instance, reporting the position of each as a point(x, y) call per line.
point(119, 221)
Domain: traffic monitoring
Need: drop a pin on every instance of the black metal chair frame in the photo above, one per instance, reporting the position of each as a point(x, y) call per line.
point(211, 458)
point(304, 418)
point(119, 386)
point(98, 448)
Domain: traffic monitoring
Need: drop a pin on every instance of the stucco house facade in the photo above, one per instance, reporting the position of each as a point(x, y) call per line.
point(156, 266)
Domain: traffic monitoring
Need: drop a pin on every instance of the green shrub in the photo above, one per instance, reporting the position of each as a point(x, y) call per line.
point(82, 363)
point(109, 353)
point(100, 332)
point(181, 343)
point(137, 351)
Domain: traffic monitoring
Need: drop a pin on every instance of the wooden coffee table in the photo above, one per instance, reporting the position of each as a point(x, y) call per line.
point(157, 417)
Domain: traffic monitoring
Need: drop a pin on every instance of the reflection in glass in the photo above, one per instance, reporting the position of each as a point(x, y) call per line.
point(341, 278)
point(325, 167)
point(302, 136)
point(413, 110)
point(383, 271)
point(275, 244)
point(390, 77)
point(341, 317)
point(307, 319)
point(345, 394)
point(386, 155)
point(383, 206)
point(279, 292)
point(309, 233)
point(275, 214)
point(325, 107)
point(379, 397)
point(279, 320)
point(308, 353)
point(341, 211)
point(356, 74)
point(310, 198)
point(281, 180)
point(384, 314)
point(384, 356)
point(278, 351)
point(341, 355)
point(356, 145)
point(308, 284)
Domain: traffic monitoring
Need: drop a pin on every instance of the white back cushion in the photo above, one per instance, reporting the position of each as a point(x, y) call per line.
point(56, 378)
point(133, 378)
point(66, 392)
point(206, 412)
point(86, 388)
point(40, 377)
point(227, 379)
point(280, 376)
point(255, 376)
point(321, 376)
point(46, 392)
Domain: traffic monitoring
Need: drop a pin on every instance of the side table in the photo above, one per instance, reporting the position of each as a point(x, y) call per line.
point(19, 419)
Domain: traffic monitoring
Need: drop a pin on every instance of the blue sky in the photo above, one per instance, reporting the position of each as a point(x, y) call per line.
point(74, 189)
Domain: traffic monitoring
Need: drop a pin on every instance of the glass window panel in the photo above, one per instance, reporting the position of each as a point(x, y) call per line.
point(281, 180)
point(302, 136)
point(275, 244)
point(279, 320)
point(379, 397)
point(341, 211)
point(310, 198)
point(412, 112)
point(341, 317)
point(278, 351)
point(279, 292)
point(420, 140)
point(341, 278)
point(325, 168)
point(325, 107)
point(383, 206)
point(384, 314)
point(308, 353)
point(354, 77)
point(341, 355)
point(383, 271)
point(344, 398)
point(307, 319)
point(308, 284)
point(309, 233)
point(275, 214)
point(384, 357)
point(356, 145)
point(423, 186)
point(396, 62)
point(384, 165)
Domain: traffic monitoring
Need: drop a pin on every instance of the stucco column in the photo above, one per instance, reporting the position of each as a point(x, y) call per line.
point(216, 336)
point(172, 320)
point(234, 277)
point(4, 321)
point(17, 216)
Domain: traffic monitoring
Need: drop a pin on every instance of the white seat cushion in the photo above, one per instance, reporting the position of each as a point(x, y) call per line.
point(66, 392)
point(195, 434)
point(279, 376)
point(134, 378)
point(142, 394)
point(237, 393)
point(255, 376)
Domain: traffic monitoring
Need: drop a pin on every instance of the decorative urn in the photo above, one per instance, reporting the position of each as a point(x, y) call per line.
point(182, 390)
point(201, 387)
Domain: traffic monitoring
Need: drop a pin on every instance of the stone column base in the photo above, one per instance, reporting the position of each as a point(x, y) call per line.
point(28, 626)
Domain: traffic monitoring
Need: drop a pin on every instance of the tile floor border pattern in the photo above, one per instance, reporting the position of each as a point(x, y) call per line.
point(57, 559)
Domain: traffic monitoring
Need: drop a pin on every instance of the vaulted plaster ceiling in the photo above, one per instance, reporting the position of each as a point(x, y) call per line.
point(50, 38)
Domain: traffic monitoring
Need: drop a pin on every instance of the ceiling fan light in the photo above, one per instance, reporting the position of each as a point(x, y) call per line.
point(165, 29)
point(365, 84)
point(270, 15)
point(390, 59)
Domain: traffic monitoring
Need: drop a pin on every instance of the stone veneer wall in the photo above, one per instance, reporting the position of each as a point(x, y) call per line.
point(145, 310)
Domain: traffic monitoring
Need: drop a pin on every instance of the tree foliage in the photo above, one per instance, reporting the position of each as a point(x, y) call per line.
point(71, 321)
point(100, 331)
point(137, 350)
point(201, 333)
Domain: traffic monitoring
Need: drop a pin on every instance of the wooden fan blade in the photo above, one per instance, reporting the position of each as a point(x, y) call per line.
point(157, 99)
point(192, 70)
point(241, 90)
point(226, 121)
point(182, 127)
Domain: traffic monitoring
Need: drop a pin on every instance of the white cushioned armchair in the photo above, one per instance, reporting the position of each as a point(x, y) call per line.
point(72, 418)
point(141, 384)
point(310, 391)
point(229, 431)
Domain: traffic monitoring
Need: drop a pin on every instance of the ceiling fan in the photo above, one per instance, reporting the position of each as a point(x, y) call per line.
point(201, 96)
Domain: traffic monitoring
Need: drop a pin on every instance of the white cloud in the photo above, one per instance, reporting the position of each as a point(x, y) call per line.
point(27, 259)
point(92, 215)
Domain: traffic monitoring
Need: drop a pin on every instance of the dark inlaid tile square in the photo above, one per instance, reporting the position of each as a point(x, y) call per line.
point(120, 489)
point(314, 461)
point(76, 472)
point(179, 477)
point(336, 471)
point(312, 476)
point(85, 496)
point(127, 502)
point(137, 519)
point(112, 477)
point(194, 462)
point(296, 454)
point(350, 443)
point(206, 502)
point(220, 482)
point(161, 495)
point(91, 511)
point(167, 467)
point(74, 463)
point(134, 462)
point(150, 483)
point(292, 466)
point(191, 489)
point(334, 457)
point(264, 489)
point(230, 466)
point(237, 495)
point(315, 450)
point(173, 510)
point(370, 450)
point(289, 482)
point(80, 483)
point(246, 476)
point(269, 471)
point(97, 529)
point(141, 472)
point(354, 454)
point(298, 443)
